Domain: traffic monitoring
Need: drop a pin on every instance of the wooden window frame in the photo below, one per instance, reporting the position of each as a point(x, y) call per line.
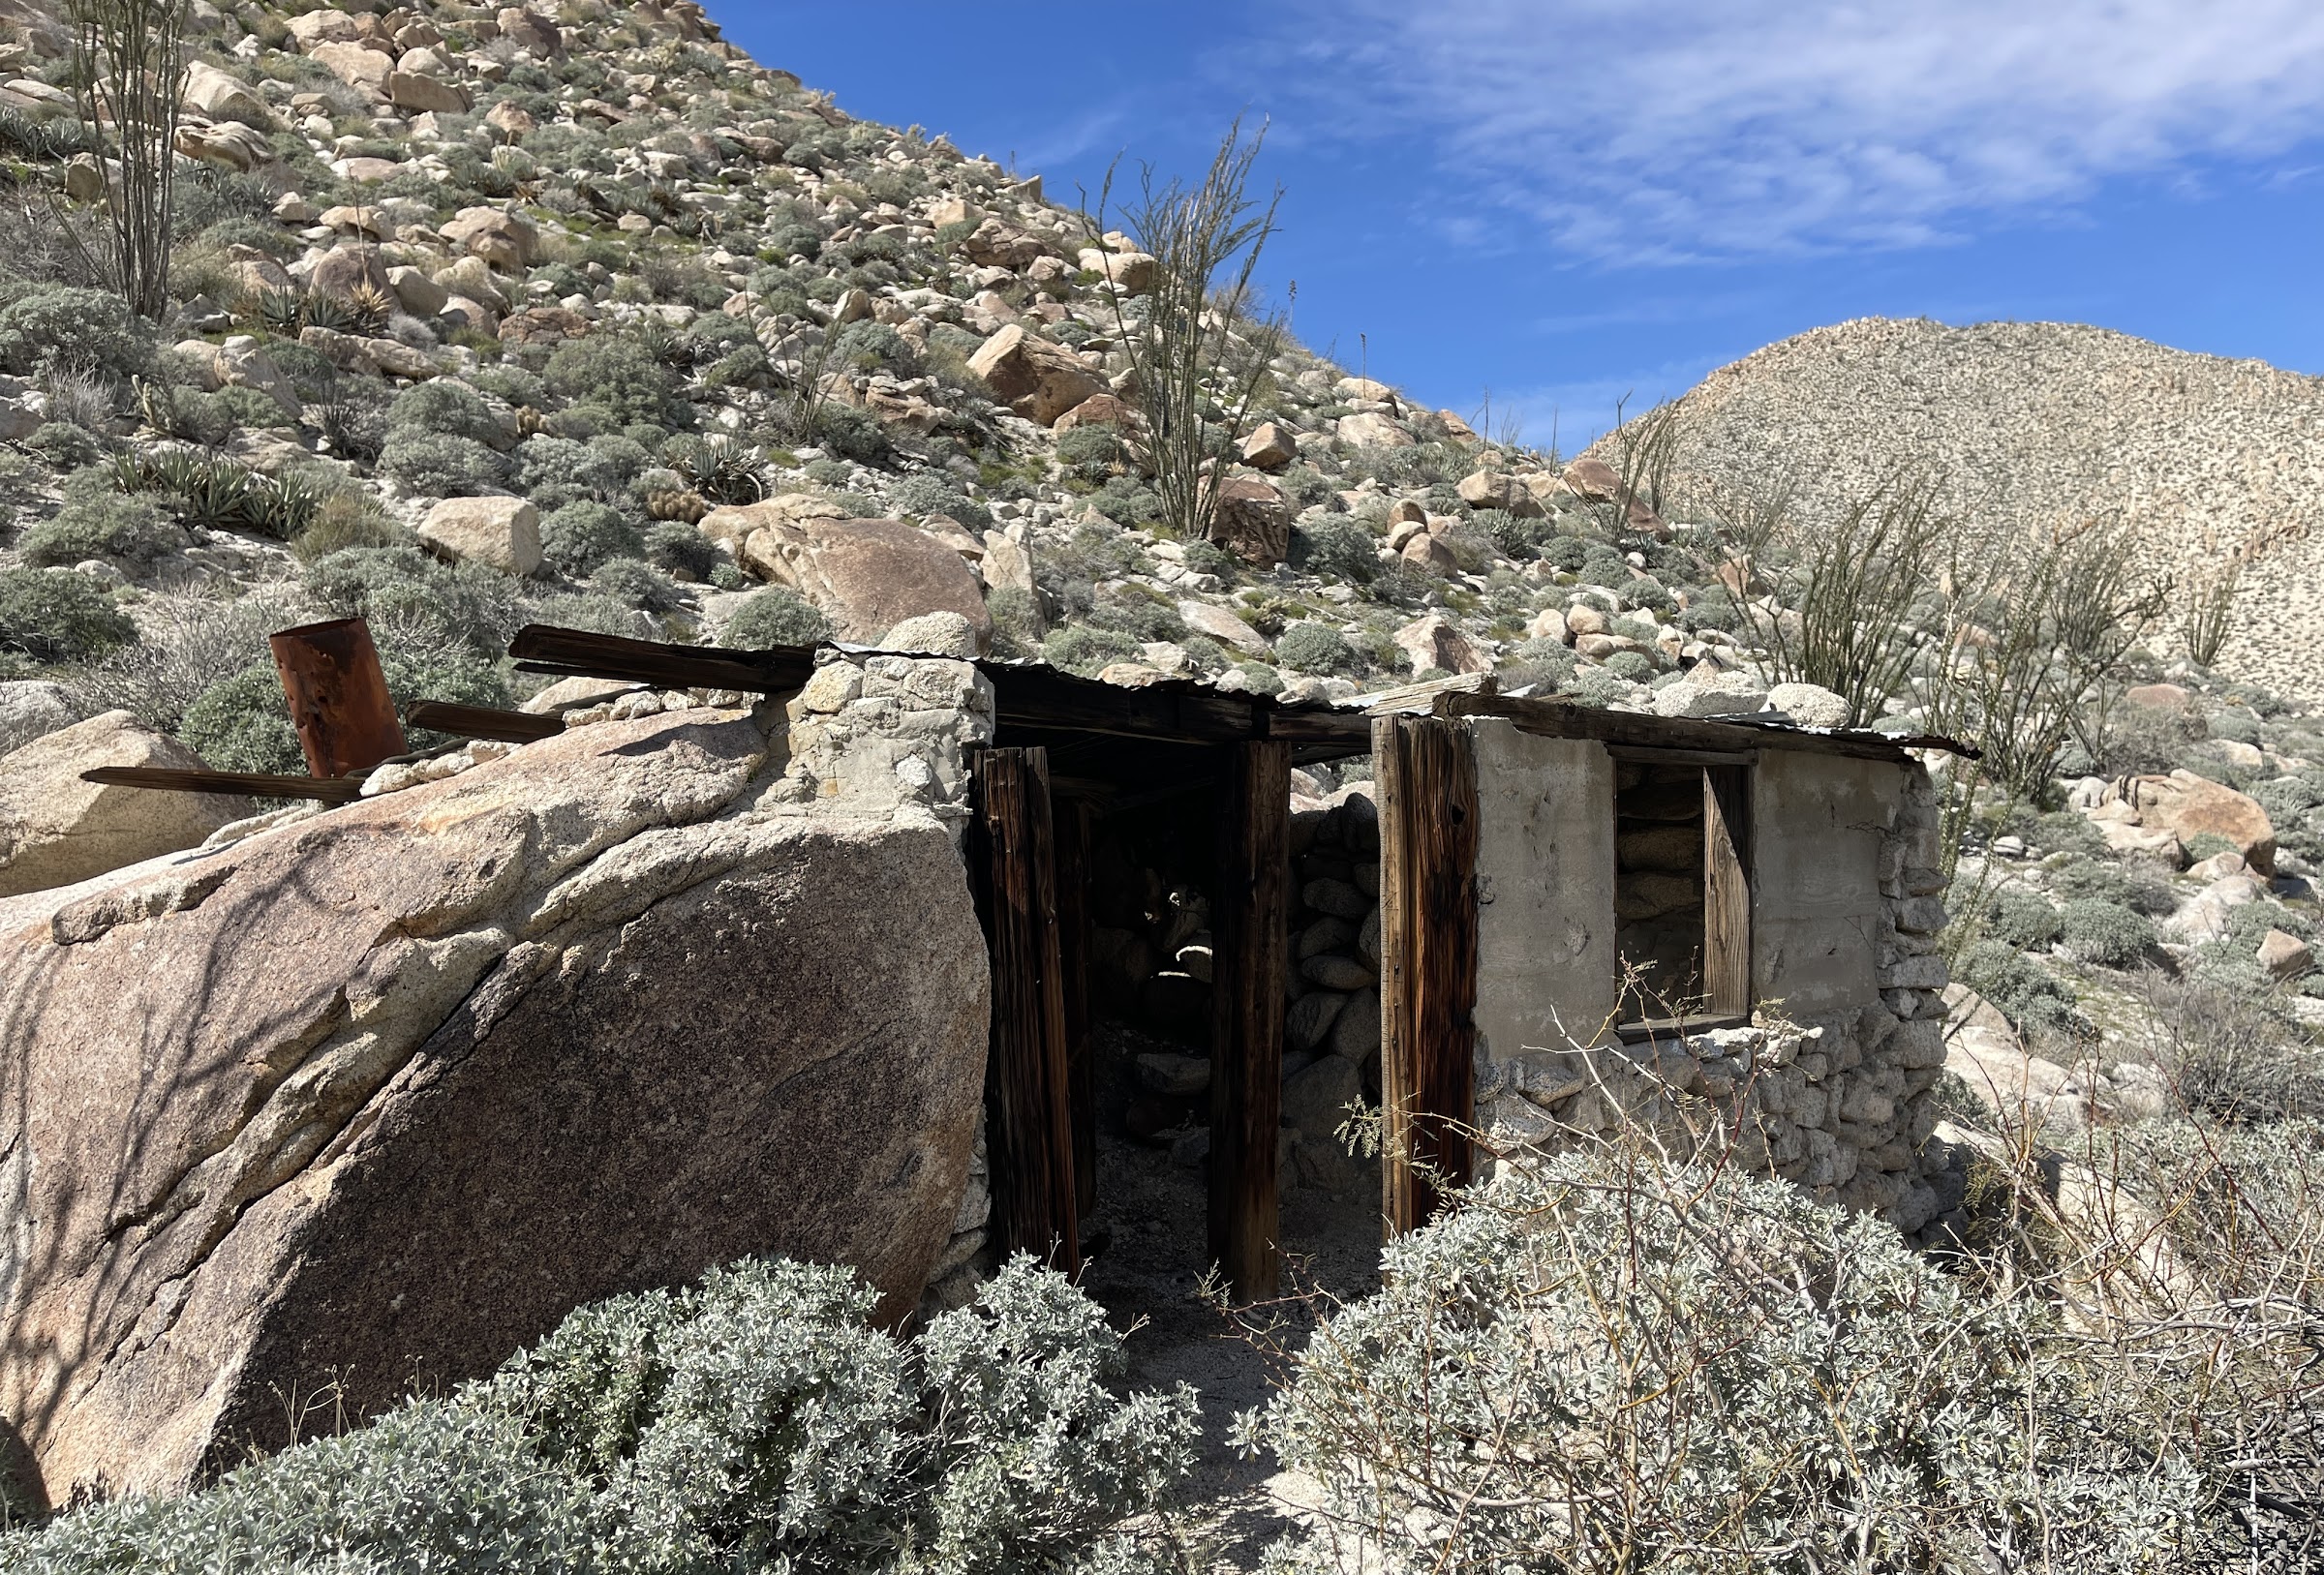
point(1727, 888)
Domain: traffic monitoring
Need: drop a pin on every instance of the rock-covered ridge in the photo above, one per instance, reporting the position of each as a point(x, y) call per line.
point(2192, 456)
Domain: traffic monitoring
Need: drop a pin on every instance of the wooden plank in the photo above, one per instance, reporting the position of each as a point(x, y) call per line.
point(1559, 720)
point(1027, 696)
point(1074, 816)
point(1250, 944)
point(1727, 888)
point(483, 723)
point(1427, 797)
point(1029, 1137)
point(1417, 697)
point(544, 647)
point(327, 789)
point(1679, 757)
point(337, 696)
point(1349, 730)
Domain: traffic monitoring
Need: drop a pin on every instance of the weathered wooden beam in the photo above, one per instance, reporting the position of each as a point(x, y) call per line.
point(544, 647)
point(1030, 1139)
point(1418, 697)
point(1426, 786)
point(1561, 719)
point(337, 696)
point(1029, 696)
point(1727, 888)
point(1073, 828)
point(1251, 942)
point(483, 723)
point(255, 784)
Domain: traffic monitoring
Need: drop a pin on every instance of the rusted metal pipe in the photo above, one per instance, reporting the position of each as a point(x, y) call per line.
point(338, 694)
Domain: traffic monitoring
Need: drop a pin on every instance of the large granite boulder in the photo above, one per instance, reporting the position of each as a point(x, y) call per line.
point(56, 828)
point(867, 576)
point(379, 1094)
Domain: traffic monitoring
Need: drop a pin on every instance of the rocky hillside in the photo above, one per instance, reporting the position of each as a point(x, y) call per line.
point(579, 314)
point(2194, 458)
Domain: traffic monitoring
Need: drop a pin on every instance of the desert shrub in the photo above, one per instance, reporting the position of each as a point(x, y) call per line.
point(408, 597)
point(755, 1421)
point(774, 617)
point(441, 467)
point(61, 326)
point(633, 583)
point(1209, 558)
point(1565, 554)
point(1630, 666)
point(678, 549)
point(2022, 919)
point(854, 434)
point(1015, 621)
point(1694, 1371)
point(555, 471)
point(1087, 651)
point(579, 536)
point(242, 723)
point(616, 374)
point(349, 517)
point(65, 445)
point(2143, 890)
point(2231, 1053)
point(2025, 992)
point(1091, 455)
point(107, 525)
point(443, 407)
point(929, 493)
point(1335, 546)
point(1316, 648)
point(1127, 501)
point(1545, 664)
point(875, 347)
point(1144, 617)
point(56, 615)
point(2096, 930)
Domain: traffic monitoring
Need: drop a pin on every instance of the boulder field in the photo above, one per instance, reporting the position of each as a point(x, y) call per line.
point(367, 1099)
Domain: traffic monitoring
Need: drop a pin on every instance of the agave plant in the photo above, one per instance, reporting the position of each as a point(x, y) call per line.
point(724, 471)
point(280, 311)
point(369, 309)
point(214, 492)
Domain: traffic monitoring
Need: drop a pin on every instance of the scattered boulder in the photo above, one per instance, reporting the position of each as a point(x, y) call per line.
point(1316, 1097)
point(32, 709)
point(530, 31)
point(1495, 489)
point(1270, 447)
point(1810, 705)
point(57, 829)
point(424, 94)
point(503, 240)
point(1436, 641)
point(229, 143)
point(345, 271)
point(2191, 807)
point(933, 634)
point(420, 295)
point(1037, 380)
point(1368, 429)
point(212, 92)
point(318, 28)
point(1708, 692)
point(2285, 955)
point(1593, 480)
point(384, 1093)
point(867, 576)
point(1217, 623)
point(500, 532)
point(357, 65)
point(1133, 273)
point(1253, 521)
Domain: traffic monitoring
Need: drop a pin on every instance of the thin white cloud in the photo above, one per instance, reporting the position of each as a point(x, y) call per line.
point(1678, 128)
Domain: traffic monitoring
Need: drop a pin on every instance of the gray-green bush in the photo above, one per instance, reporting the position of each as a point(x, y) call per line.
point(1612, 1361)
point(57, 615)
point(774, 617)
point(754, 1422)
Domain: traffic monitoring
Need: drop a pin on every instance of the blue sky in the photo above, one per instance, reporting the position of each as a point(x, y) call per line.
point(1559, 202)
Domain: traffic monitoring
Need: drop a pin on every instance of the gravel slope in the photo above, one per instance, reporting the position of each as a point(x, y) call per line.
point(2193, 456)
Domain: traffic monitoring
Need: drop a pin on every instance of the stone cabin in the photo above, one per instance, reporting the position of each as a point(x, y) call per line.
point(379, 1091)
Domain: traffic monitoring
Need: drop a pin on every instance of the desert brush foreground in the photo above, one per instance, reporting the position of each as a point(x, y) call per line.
point(530, 1054)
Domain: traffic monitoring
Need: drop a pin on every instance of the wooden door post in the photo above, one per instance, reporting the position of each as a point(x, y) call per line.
point(1029, 1140)
point(1251, 942)
point(1073, 817)
point(1426, 777)
point(338, 695)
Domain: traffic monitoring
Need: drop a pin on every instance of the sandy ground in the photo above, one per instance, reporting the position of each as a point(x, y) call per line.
point(1151, 1214)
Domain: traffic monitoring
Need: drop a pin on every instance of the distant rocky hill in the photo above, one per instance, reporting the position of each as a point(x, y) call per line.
point(2194, 457)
